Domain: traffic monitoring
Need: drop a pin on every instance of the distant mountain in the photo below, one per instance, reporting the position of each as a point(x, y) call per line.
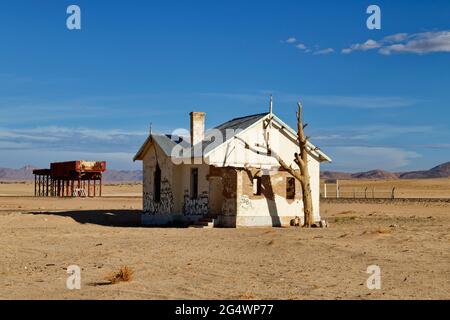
point(440, 171)
point(22, 174)
point(373, 174)
point(123, 176)
point(335, 175)
point(26, 174)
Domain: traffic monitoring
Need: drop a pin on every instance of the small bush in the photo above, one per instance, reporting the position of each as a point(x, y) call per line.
point(347, 212)
point(124, 274)
point(247, 296)
point(383, 231)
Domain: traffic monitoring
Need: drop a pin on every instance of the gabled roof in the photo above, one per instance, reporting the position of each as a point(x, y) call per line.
point(167, 142)
point(235, 126)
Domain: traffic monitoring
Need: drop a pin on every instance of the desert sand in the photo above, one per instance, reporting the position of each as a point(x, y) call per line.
point(40, 238)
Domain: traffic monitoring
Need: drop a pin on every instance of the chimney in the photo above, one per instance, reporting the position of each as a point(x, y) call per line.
point(197, 127)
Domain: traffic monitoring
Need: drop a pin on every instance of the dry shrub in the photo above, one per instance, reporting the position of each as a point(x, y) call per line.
point(383, 231)
point(124, 274)
point(247, 296)
point(347, 212)
point(271, 242)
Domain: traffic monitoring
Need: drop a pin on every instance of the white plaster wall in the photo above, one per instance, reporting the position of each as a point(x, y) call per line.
point(233, 153)
point(184, 178)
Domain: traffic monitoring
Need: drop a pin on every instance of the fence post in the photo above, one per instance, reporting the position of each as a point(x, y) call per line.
point(325, 190)
point(393, 193)
point(337, 189)
point(365, 193)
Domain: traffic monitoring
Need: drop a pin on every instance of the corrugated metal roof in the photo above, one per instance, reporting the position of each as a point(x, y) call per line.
point(241, 123)
point(230, 128)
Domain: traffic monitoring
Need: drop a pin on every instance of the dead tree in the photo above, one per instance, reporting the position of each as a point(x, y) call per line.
point(301, 159)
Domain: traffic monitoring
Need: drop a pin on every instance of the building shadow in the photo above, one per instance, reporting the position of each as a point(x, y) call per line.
point(110, 218)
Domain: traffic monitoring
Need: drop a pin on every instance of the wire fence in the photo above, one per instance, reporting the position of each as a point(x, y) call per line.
point(359, 193)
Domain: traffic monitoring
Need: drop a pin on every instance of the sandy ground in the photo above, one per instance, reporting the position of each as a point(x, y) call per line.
point(40, 238)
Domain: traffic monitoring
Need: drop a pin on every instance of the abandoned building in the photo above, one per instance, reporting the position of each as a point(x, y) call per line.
point(70, 179)
point(220, 181)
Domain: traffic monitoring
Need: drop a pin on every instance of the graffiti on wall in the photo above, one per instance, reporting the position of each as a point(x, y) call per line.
point(246, 203)
point(193, 207)
point(165, 206)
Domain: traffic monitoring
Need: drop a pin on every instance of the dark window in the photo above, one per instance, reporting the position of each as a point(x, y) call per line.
point(194, 183)
point(157, 185)
point(257, 186)
point(290, 188)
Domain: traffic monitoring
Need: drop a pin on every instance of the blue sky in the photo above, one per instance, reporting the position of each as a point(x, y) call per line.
point(372, 98)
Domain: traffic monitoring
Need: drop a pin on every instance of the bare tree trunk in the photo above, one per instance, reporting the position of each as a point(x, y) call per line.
point(302, 162)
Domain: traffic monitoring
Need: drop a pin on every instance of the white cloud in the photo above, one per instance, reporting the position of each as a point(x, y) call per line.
point(360, 102)
point(291, 40)
point(346, 50)
point(6, 145)
point(368, 45)
point(421, 43)
point(396, 37)
point(374, 135)
point(417, 43)
point(42, 145)
point(324, 51)
point(42, 158)
point(55, 133)
point(361, 158)
point(65, 138)
point(301, 46)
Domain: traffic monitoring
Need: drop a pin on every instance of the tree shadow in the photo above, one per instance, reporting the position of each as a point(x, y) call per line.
point(110, 218)
point(268, 194)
